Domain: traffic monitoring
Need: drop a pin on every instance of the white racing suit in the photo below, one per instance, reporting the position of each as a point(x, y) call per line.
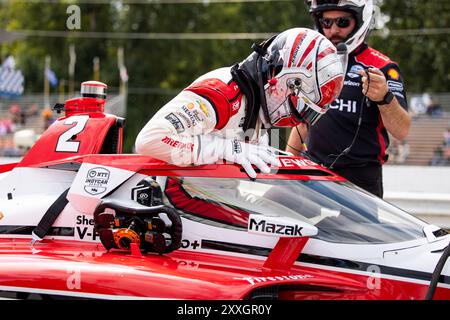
point(203, 124)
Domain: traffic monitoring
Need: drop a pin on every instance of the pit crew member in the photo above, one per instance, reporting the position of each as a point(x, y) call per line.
point(352, 138)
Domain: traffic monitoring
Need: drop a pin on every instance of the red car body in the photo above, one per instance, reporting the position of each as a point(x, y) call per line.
point(206, 266)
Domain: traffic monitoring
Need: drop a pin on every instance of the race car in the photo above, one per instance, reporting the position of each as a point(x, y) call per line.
point(78, 219)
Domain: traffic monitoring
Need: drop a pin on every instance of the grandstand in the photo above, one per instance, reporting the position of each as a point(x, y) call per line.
point(25, 104)
point(426, 134)
point(27, 112)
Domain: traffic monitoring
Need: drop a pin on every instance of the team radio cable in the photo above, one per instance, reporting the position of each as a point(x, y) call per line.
point(364, 101)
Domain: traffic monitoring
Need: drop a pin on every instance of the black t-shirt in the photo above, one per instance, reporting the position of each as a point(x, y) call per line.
point(335, 131)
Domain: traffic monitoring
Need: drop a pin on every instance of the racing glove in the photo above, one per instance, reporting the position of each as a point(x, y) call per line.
point(213, 148)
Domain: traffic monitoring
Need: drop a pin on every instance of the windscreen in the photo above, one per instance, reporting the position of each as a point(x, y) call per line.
point(342, 212)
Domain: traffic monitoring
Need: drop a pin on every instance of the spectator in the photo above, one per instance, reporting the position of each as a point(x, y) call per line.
point(418, 105)
point(447, 137)
point(434, 109)
point(403, 152)
point(9, 150)
point(23, 118)
point(9, 125)
point(47, 117)
point(32, 110)
point(446, 155)
point(438, 157)
point(15, 111)
point(3, 128)
point(399, 151)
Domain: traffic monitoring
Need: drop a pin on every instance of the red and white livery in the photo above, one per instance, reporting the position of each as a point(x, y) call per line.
point(78, 219)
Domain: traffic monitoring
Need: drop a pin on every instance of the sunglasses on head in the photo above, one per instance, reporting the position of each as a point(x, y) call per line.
point(341, 22)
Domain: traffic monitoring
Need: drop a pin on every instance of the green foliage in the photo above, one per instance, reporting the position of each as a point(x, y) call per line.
point(158, 69)
point(30, 53)
point(423, 59)
point(174, 64)
point(164, 64)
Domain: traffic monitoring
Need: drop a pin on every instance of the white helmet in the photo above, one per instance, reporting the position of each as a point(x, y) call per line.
point(361, 9)
point(301, 74)
point(24, 139)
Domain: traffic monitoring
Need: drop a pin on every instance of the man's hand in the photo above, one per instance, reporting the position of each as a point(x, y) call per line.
point(247, 154)
point(213, 148)
point(375, 87)
point(395, 118)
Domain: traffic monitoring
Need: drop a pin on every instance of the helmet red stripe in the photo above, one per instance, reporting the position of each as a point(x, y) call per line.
point(307, 51)
point(329, 90)
point(294, 48)
point(325, 53)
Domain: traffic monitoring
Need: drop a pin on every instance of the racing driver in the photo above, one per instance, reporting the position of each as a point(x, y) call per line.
point(288, 79)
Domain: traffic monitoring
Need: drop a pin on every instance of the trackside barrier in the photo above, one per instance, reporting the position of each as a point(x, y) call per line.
point(421, 191)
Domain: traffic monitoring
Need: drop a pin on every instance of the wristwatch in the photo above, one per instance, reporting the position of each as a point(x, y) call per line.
point(387, 98)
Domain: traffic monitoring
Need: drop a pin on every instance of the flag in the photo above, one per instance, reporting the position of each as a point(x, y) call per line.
point(73, 59)
point(9, 63)
point(51, 77)
point(11, 80)
point(123, 74)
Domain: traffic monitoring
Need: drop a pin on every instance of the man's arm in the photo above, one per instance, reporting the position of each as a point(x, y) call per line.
point(180, 133)
point(297, 139)
point(395, 118)
point(172, 133)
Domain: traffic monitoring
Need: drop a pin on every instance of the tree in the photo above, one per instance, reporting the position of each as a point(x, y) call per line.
point(422, 52)
point(158, 69)
point(173, 64)
point(30, 52)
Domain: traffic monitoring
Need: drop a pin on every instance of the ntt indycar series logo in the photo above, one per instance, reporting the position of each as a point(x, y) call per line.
point(275, 226)
point(96, 181)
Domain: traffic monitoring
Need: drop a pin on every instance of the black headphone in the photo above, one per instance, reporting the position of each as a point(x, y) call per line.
point(245, 80)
